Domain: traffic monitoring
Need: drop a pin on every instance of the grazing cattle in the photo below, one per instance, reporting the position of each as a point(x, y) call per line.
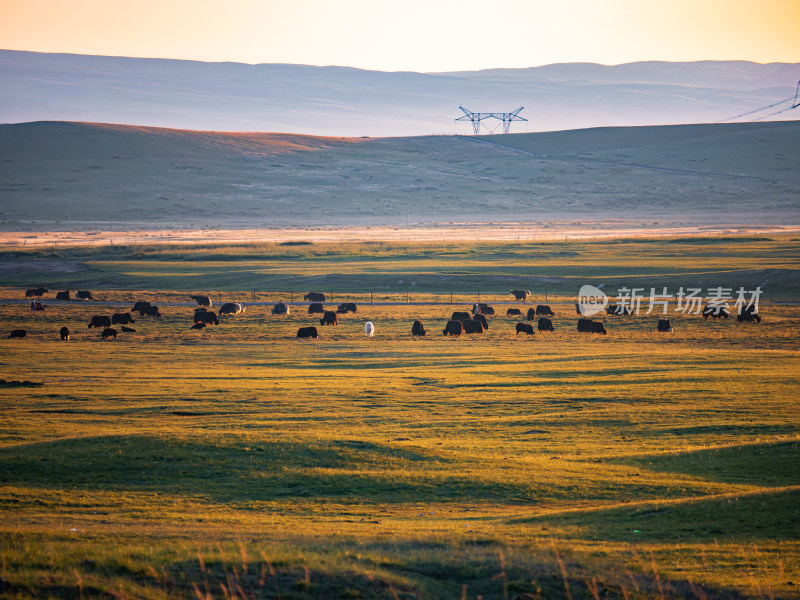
point(544, 324)
point(524, 328)
point(520, 294)
point(231, 308)
point(150, 311)
point(453, 327)
point(314, 297)
point(472, 326)
point(18, 333)
point(84, 295)
point(202, 300)
point(482, 319)
point(531, 314)
point(280, 309)
point(460, 316)
point(37, 305)
point(109, 332)
point(315, 308)
point(369, 329)
point(100, 321)
point(748, 317)
point(715, 311)
point(749, 314)
point(128, 329)
point(417, 328)
point(513, 311)
point(482, 309)
point(198, 326)
point(664, 325)
point(543, 310)
point(64, 333)
point(35, 292)
point(208, 317)
point(121, 318)
point(589, 326)
point(346, 307)
point(62, 295)
point(138, 306)
point(307, 332)
point(618, 309)
point(329, 318)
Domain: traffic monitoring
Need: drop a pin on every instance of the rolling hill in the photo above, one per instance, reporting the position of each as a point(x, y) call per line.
point(354, 102)
point(65, 175)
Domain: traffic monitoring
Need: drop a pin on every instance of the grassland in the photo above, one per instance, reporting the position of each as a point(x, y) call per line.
point(240, 462)
point(427, 271)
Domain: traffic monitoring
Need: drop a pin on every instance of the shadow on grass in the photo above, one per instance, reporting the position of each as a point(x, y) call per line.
point(769, 515)
point(344, 470)
point(769, 464)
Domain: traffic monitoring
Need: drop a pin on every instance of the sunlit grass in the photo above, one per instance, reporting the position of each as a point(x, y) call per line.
point(239, 461)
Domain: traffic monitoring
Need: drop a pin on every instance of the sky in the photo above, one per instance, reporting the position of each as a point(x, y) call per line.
point(409, 35)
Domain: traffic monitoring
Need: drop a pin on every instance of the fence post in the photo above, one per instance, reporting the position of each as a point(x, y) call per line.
point(291, 295)
point(370, 298)
point(219, 296)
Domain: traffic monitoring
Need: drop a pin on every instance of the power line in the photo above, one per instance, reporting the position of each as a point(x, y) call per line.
point(794, 100)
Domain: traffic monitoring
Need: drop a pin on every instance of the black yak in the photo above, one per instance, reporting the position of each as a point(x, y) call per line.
point(453, 327)
point(329, 318)
point(417, 328)
point(544, 324)
point(589, 326)
point(524, 328)
point(100, 321)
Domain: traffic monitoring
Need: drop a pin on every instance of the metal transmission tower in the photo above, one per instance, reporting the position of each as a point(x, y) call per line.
point(476, 118)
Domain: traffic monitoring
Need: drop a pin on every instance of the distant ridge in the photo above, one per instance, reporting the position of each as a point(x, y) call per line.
point(64, 175)
point(344, 101)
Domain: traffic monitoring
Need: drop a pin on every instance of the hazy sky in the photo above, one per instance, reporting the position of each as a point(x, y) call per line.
point(416, 35)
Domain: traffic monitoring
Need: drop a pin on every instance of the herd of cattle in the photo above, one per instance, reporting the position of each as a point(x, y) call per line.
point(460, 322)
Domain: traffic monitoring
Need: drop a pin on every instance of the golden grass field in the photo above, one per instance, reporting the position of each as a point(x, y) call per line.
point(241, 462)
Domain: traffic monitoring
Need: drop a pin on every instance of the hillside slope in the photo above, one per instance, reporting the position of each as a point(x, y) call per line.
point(83, 175)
